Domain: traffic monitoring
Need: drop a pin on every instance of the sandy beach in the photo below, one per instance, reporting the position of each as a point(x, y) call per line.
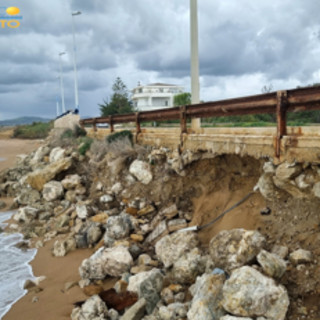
point(54, 302)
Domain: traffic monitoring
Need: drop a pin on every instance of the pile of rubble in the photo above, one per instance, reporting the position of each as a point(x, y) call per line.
point(142, 242)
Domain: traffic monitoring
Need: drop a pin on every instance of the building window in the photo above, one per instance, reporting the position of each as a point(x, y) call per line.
point(140, 90)
point(166, 103)
point(161, 90)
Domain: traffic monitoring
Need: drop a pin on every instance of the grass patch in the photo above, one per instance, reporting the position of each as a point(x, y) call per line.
point(36, 130)
point(121, 135)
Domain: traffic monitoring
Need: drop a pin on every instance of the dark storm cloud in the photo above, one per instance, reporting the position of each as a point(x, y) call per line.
point(249, 42)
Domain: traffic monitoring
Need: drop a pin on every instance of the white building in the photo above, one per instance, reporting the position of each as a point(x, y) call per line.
point(154, 96)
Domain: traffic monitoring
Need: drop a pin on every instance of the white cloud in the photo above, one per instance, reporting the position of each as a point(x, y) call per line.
point(243, 46)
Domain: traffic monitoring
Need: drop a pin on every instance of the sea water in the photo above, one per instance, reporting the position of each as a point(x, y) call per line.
point(14, 267)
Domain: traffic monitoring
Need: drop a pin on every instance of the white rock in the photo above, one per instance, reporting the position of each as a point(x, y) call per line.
point(171, 247)
point(106, 261)
point(118, 227)
point(173, 311)
point(249, 293)
point(267, 187)
point(71, 181)
point(316, 189)
point(300, 256)
point(62, 247)
point(286, 171)
point(141, 170)
point(52, 190)
point(231, 249)
point(117, 188)
point(186, 269)
point(82, 211)
point(271, 264)
point(39, 155)
point(301, 182)
point(26, 214)
point(93, 309)
point(280, 251)
point(206, 292)
point(56, 154)
point(106, 198)
point(269, 167)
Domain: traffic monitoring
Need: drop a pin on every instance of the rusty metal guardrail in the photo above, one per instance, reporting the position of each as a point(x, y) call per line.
point(279, 102)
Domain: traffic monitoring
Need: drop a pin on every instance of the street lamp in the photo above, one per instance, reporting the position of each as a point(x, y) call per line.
point(76, 96)
point(57, 102)
point(195, 86)
point(61, 83)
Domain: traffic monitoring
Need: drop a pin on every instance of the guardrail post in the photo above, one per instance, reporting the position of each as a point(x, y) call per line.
point(282, 103)
point(94, 123)
point(111, 124)
point(138, 127)
point(183, 119)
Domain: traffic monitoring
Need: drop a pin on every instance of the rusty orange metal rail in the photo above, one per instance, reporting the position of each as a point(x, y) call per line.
point(279, 102)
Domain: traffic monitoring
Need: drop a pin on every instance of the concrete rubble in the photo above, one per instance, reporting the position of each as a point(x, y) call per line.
point(132, 225)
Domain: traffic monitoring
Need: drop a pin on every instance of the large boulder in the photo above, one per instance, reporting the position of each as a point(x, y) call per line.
point(207, 295)
point(52, 190)
point(249, 293)
point(141, 170)
point(231, 249)
point(93, 309)
point(37, 179)
point(171, 247)
point(106, 261)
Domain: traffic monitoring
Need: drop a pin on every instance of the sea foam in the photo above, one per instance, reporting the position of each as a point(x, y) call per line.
point(14, 267)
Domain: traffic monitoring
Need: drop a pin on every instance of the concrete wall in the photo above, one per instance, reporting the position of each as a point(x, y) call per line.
point(67, 122)
point(301, 143)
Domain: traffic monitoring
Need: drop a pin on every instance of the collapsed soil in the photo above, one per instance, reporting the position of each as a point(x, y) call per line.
point(211, 186)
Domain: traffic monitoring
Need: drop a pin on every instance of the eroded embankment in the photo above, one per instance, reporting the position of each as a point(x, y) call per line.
point(127, 203)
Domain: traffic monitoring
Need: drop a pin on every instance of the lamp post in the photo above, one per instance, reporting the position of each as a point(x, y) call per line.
point(57, 100)
point(61, 83)
point(76, 96)
point(195, 87)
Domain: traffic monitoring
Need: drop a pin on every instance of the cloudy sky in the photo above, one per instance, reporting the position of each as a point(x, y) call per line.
point(243, 46)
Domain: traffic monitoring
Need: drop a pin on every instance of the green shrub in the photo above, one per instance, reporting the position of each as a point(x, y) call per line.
point(67, 134)
point(85, 144)
point(79, 132)
point(75, 133)
point(36, 130)
point(120, 136)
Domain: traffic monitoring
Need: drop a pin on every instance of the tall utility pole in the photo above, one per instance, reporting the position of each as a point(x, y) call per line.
point(195, 86)
point(76, 95)
point(61, 83)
